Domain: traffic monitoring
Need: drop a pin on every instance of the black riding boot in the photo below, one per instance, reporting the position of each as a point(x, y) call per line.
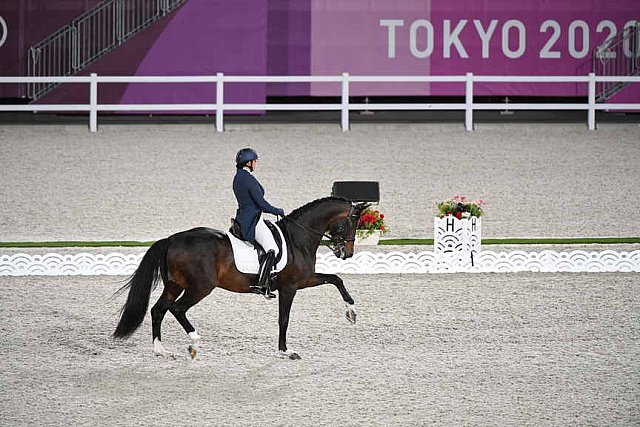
point(263, 278)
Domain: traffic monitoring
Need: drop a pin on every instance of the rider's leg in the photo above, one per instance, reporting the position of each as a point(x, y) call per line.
point(265, 239)
point(264, 274)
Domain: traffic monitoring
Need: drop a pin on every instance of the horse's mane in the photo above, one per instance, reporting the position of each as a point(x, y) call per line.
point(296, 214)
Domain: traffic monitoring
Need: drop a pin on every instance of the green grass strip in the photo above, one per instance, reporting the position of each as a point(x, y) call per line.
point(526, 241)
point(398, 242)
point(74, 244)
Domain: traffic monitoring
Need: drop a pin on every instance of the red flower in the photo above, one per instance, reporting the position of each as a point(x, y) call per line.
point(458, 214)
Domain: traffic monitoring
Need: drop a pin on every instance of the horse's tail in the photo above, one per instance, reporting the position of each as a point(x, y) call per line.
point(141, 283)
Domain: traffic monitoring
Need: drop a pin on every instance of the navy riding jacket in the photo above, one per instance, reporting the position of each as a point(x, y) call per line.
point(251, 203)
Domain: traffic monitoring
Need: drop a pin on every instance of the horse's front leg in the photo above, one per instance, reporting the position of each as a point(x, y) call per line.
point(320, 279)
point(285, 300)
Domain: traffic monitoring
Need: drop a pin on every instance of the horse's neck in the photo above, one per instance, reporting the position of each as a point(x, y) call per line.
point(319, 221)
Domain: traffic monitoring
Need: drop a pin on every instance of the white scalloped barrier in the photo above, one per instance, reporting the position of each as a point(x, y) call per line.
point(115, 264)
point(82, 264)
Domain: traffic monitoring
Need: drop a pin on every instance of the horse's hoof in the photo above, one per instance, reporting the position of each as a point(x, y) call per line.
point(159, 350)
point(351, 316)
point(193, 351)
point(292, 355)
point(167, 355)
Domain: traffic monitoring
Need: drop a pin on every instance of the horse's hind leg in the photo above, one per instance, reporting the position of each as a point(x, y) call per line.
point(179, 310)
point(169, 294)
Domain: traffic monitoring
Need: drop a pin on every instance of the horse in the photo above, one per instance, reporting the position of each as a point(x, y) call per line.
point(193, 263)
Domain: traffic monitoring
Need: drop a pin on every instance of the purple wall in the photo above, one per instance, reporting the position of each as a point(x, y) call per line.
point(28, 22)
point(203, 38)
point(328, 37)
point(124, 61)
point(289, 45)
point(444, 37)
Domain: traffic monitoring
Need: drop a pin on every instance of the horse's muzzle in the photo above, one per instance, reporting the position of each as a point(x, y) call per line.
point(344, 253)
point(341, 249)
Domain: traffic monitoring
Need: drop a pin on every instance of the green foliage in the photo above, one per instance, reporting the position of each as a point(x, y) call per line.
point(460, 207)
point(371, 220)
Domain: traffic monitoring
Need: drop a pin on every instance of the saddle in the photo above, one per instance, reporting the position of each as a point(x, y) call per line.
point(247, 257)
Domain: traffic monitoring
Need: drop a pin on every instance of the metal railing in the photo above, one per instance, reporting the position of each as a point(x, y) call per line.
point(90, 36)
point(617, 56)
point(219, 82)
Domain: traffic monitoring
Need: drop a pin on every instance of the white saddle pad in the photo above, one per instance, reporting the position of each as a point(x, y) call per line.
point(246, 257)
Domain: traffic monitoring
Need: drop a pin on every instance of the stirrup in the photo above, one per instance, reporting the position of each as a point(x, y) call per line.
point(264, 291)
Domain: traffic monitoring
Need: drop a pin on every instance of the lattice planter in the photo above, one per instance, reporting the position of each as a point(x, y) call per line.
point(457, 242)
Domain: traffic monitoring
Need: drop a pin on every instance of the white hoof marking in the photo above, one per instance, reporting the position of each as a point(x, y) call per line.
point(195, 338)
point(159, 350)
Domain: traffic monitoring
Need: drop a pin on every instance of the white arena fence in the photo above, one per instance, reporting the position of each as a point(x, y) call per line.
point(396, 262)
point(220, 80)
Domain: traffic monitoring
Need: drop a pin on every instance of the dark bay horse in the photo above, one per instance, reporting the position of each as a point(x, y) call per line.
point(192, 263)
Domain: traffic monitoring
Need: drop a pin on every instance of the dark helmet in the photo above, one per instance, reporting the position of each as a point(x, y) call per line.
point(246, 155)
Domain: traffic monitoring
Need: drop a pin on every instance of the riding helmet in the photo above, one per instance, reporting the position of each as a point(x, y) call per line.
point(246, 155)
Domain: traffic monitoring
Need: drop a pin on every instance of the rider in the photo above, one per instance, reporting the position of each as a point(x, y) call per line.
point(251, 203)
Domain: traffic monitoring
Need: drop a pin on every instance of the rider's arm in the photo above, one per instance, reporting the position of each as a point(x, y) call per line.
point(258, 198)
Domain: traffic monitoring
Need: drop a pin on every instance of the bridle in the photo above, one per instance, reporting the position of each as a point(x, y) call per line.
point(338, 243)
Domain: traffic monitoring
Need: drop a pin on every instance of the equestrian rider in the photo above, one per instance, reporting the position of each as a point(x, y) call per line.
point(251, 203)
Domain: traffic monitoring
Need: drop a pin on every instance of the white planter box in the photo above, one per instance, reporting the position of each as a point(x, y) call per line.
point(457, 241)
point(365, 239)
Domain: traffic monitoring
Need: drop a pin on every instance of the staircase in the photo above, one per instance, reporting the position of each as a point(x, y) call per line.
point(90, 36)
point(617, 56)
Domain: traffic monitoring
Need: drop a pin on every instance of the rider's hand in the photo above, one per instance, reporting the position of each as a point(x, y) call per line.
point(280, 211)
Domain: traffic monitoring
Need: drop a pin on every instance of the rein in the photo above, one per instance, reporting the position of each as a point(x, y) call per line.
point(334, 240)
point(311, 230)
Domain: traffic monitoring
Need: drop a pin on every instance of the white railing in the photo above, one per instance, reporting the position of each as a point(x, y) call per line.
point(219, 106)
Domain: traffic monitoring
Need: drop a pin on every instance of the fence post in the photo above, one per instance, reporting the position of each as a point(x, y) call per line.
point(592, 102)
point(345, 102)
point(468, 116)
point(219, 102)
point(93, 103)
point(119, 21)
point(75, 49)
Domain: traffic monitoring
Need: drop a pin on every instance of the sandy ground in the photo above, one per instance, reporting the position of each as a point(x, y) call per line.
point(482, 349)
point(145, 182)
point(496, 349)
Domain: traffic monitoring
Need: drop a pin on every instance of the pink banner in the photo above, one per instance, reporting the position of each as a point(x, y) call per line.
point(443, 37)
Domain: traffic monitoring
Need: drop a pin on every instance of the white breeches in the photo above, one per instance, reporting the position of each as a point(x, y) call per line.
point(265, 237)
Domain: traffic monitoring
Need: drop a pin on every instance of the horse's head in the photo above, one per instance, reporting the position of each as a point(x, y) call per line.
point(342, 230)
point(334, 218)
